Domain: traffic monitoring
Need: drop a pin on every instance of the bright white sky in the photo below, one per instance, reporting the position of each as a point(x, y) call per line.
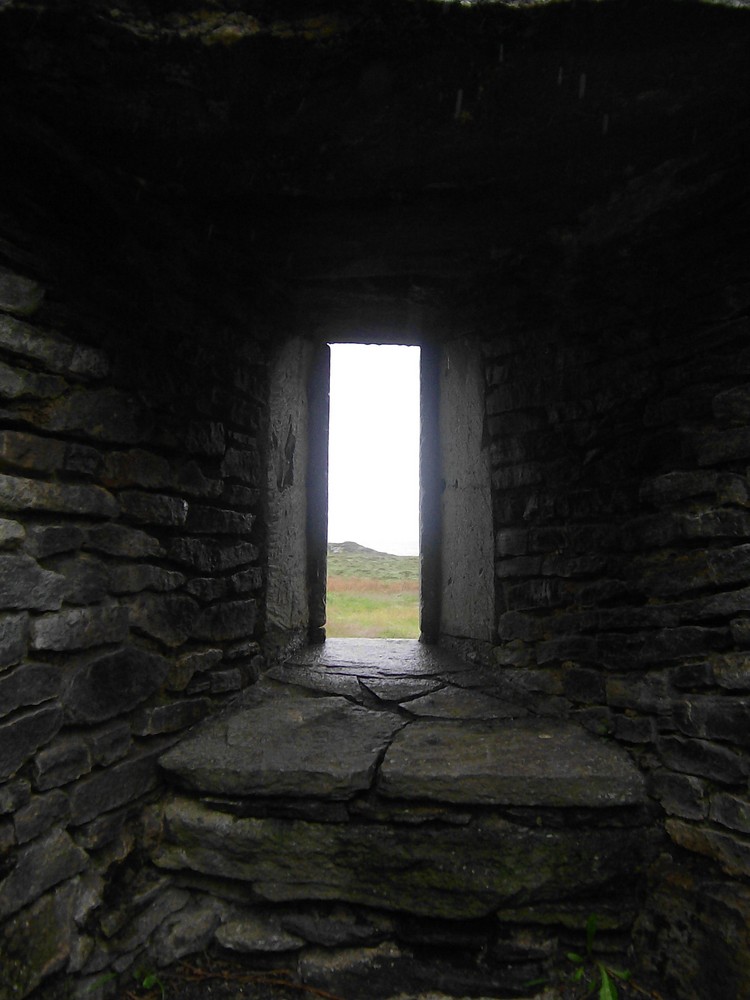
point(373, 461)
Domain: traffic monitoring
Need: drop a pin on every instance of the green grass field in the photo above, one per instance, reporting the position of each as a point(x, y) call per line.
point(371, 594)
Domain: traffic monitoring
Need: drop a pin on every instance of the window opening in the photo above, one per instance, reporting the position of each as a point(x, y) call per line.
point(373, 491)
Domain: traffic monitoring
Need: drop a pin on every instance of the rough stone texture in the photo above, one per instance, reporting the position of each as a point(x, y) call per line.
point(590, 251)
point(21, 735)
point(28, 684)
point(513, 763)
point(23, 584)
point(103, 685)
point(14, 631)
point(42, 864)
point(79, 629)
point(334, 753)
point(253, 935)
point(398, 868)
point(31, 494)
point(119, 540)
point(170, 618)
point(114, 786)
point(54, 352)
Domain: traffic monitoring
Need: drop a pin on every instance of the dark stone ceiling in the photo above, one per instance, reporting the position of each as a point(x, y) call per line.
point(368, 142)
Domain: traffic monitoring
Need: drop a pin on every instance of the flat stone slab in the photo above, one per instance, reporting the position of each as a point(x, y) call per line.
point(457, 703)
point(380, 657)
point(285, 746)
point(530, 762)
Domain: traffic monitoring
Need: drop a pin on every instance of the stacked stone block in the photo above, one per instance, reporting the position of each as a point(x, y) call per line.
point(129, 579)
point(620, 484)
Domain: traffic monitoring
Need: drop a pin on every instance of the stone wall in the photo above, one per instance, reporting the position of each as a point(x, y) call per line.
point(129, 585)
point(620, 444)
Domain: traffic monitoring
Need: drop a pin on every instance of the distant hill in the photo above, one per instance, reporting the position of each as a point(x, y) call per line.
point(337, 547)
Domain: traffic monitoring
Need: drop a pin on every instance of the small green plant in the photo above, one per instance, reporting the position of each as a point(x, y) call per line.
point(149, 981)
point(591, 971)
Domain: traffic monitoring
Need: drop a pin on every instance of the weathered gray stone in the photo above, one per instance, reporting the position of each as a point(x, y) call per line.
point(29, 451)
point(42, 864)
point(429, 869)
point(55, 944)
point(104, 685)
point(337, 926)
point(680, 794)
point(135, 577)
point(18, 383)
point(13, 795)
point(119, 540)
point(189, 479)
point(19, 295)
point(42, 812)
point(663, 491)
point(169, 718)
point(11, 533)
point(23, 734)
point(400, 689)
point(187, 931)
point(247, 580)
point(87, 579)
point(170, 618)
point(23, 584)
point(154, 508)
point(211, 557)
point(732, 853)
point(733, 489)
point(45, 540)
point(55, 353)
point(715, 718)
point(226, 680)
point(110, 742)
point(205, 438)
point(242, 464)
point(334, 753)
point(230, 620)
point(216, 521)
point(740, 628)
point(14, 636)
point(59, 498)
point(114, 787)
point(529, 763)
point(240, 496)
point(252, 934)
point(137, 468)
point(450, 703)
point(101, 414)
point(182, 669)
point(65, 759)
point(634, 730)
point(207, 588)
point(709, 760)
point(79, 628)
point(28, 684)
point(731, 811)
point(140, 929)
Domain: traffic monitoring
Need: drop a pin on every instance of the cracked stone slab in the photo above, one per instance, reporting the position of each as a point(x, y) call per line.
point(380, 657)
point(457, 703)
point(520, 763)
point(318, 679)
point(286, 746)
point(400, 689)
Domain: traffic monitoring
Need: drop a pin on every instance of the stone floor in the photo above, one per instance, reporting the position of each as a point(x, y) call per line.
point(378, 811)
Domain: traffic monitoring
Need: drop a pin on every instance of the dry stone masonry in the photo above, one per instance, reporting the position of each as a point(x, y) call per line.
point(551, 201)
